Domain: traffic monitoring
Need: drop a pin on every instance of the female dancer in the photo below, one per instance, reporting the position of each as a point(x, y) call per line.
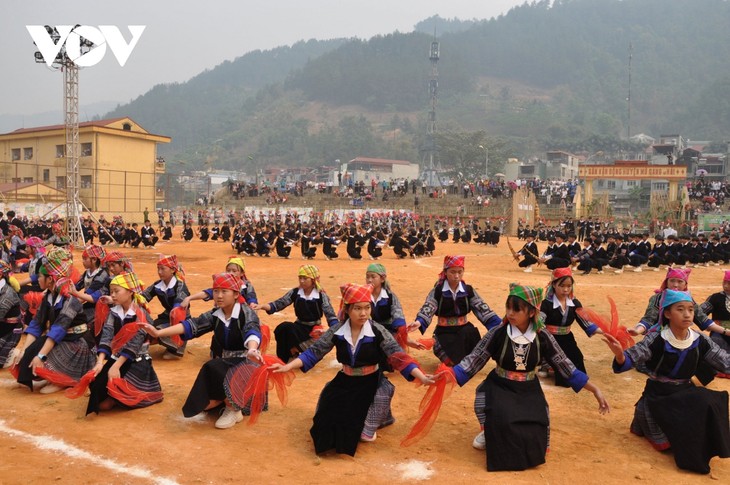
point(451, 299)
point(387, 310)
point(236, 329)
point(354, 404)
point(510, 404)
point(59, 337)
point(559, 308)
point(171, 291)
point(310, 304)
point(11, 324)
point(672, 412)
point(129, 360)
point(717, 306)
point(94, 283)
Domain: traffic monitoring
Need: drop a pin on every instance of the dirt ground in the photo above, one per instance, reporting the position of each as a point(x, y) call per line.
point(160, 446)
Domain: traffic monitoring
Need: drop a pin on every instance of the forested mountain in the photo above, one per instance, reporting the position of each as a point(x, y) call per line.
point(544, 75)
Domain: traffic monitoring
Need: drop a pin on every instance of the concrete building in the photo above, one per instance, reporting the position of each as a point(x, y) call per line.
point(365, 169)
point(558, 165)
point(118, 163)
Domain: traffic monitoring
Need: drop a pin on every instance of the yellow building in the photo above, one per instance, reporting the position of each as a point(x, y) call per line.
point(118, 164)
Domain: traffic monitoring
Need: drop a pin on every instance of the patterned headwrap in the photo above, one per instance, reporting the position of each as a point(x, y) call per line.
point(451, 262)
point(533, 296)
point(238, 261)
point(5, 268)
point(133, 284)
point(310, 271)
point(94, 251)
point(226, 281)
point(37, 244)
point(678, 273)
point(118, 257)
point(15, 230)
point(558, 273)
point(56, 227)
point(171, 262)
point(57, 263)
point(672, 296)
point(378, 268)
point(352, 293)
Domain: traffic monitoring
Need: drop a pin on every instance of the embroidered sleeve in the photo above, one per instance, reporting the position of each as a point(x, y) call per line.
point(588, 327)
point(149, 292)
point(65, 319)
point(427, 311)
point(250, 293)
point(320, 348)
point(482, 311)
point(716, 357)
point(252, 327)
point(197, 326)
point(107, 334)
point(651, 315)
point(639, 353)
point(283, 302)
point(327, 310)
point(397, 317)
point(477, 359)
point(701, 318)
point(8, 300)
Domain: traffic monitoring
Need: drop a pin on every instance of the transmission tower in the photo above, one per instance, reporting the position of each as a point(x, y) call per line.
point(430, 151)
point(71, 120)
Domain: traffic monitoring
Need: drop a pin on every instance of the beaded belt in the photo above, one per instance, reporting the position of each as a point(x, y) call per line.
point(452, 321)
point(12, 321)
point(78, 329)
point(558, 330)
point(668, 380)
point(365, 370)
point(310, 324)
point(228, 354)
point(514, 375)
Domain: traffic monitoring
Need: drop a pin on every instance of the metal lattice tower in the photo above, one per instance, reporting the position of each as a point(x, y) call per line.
point(431, 151)
point(71, 122)
point(71, 109)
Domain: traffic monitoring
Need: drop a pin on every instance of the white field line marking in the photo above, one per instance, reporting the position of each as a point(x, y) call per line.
point(50, 443)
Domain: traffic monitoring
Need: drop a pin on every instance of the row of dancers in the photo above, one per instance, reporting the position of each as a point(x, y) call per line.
point(96, 330)
point(634, 251)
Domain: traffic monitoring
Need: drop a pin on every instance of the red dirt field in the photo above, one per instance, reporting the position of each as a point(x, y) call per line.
point(157, 444)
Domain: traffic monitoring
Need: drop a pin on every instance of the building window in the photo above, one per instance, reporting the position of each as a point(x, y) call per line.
point(127, 127)
point(631, 183)
point(46, 175)
point(15, 153)
point(61, 182)
point(16, 180)
point(86, 181)
point(611, 184)
point(86, 149)
point(60, 151)
point(600, 184)
point(28, 153)
point(28, 179)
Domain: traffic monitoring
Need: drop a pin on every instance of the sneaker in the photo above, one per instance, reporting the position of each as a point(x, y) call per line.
point(528, 270)
point(368, 439)
point(50, 388)
point(619, 271)
point(655, 269)
point(480, 442)
point(637, 269)
point(228, 418)
point(600, 271)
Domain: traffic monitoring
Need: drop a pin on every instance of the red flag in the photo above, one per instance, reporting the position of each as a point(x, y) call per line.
point(177, 315)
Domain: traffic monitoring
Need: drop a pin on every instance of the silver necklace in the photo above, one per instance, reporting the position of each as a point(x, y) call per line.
point(520, 351)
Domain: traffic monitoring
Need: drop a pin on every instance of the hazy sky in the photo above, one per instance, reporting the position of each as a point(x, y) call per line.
point(185, 37)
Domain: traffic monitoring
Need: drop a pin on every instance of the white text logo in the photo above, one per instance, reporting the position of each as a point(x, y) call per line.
point(71, 37)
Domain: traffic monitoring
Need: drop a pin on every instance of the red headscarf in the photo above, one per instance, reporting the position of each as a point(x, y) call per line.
point(451, 262)
point(558, 273)
point(352, 293)
point(226, 281)
point(94, 251)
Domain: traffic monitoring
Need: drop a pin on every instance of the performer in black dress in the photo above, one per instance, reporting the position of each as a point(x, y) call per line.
point(672, 412)
point(357, 401)
point(235, 328)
